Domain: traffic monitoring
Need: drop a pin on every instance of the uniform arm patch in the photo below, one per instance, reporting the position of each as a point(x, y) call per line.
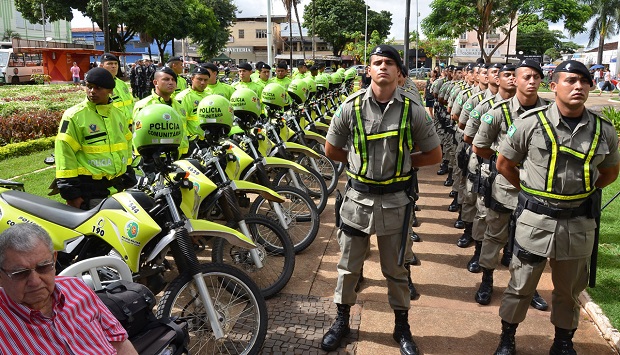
point(487, 118)
point(511, 130)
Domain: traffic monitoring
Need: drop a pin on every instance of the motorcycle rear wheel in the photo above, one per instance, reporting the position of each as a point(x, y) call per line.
point(238, 302)
point(275, 249)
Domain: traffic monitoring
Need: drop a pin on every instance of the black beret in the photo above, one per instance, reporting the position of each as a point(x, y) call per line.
point(174, 59)
point(211, 66)
point(508, 67)
point(259, 65)
point(451, 67)
point(528, 63)
point(496, 66)
point(200, 70)
point(265, 66)
point(320, 65)
point(108, 57)
point(282, 65)
point(470, 66)
point(245, 66)
point(100, 77)
point(482, 65)
point(383, 50)
point(458, 68)
point(168, 71)
point(314, 67)
point(575, 67)
point(301, 64)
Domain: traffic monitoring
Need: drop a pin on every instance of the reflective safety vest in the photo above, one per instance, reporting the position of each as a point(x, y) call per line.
point(556, 149)
point(123, 99)
point(361, 141)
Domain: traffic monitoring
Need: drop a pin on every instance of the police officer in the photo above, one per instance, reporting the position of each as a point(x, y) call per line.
point(121, 96)
point(216, 87)
point(568, 153)
point(165, 83)
point(245, 70)
point(93, 146)
point(263, 75)
point(379, 175)
point(176, 64)
point(503, 199)
point(281, 75)
point(189, 99)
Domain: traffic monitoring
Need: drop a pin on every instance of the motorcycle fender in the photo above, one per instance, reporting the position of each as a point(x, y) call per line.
point(198, 227)
point(283, 163)
point(321, 126)
point(295, 147)
point(314, 136)
point(266, 193)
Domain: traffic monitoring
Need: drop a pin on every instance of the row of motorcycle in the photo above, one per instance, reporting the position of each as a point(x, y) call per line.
point(250, 193)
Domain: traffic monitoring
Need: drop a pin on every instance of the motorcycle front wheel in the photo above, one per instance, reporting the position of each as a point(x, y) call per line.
point(240, 307)
point(327, 169)
point(313, 184)
point(302, 218)
point(275, 250)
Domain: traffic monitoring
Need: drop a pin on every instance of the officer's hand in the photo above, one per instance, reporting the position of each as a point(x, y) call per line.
point(76, 202)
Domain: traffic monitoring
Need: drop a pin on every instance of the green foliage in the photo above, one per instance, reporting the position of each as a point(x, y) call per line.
point(535, 37)
point(25, 148)
point(606, 22)
point(336, 21)
point(613, 115)
point(437, 47)
point(356, 48)
point(54, 9)
point(41, 78)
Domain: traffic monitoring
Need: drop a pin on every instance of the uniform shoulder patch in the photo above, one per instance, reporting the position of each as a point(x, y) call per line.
point(487, 117)
point(468, 106)
point(511, 130)
point(498, 103)
point(355, 94)
point(534, 110)
point(474, 114)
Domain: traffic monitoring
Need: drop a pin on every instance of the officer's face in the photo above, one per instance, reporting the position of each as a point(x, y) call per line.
point(213, 77)
point(458, 75)
point(111, 66)
point(492, 75)
point(265, 74)
point(528, 81)
point(244, 75)
point(199, 82)
point(164, 84)
point(177, 66)
point(96, 94)
point(483, 77)
point(281, 73)
point(383, 70)
point(303, 69)
point(571, 90)
point(476, 74)
point(507, 81)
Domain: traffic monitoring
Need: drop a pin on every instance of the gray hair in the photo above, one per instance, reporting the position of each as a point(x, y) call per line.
point(24, 238)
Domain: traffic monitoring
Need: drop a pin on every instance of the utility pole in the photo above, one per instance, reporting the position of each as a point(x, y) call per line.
point(366, 35)
point(269, 35)
point(105, 29)
point(406, 44)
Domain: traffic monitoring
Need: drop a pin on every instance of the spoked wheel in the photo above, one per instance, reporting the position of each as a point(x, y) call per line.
point(340, 166)
point(301, 216)
point(240, 308)
point(312, 184)
point(274, 248)
point(326, 167)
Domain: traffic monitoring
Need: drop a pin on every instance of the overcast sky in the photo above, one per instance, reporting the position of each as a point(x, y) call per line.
point(397, 8)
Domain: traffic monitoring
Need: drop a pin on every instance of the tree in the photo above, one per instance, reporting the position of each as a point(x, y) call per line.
point(356, 48)
point(535, 37)
point(336, 21)
point(606, 14)
point(437, 48)
point(9, 35)
point(488, 16)
point(225, 14)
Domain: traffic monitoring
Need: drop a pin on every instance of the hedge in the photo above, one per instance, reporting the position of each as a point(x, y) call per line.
point(25, 148)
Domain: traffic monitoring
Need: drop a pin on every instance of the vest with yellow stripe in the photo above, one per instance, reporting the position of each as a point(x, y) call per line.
point(122, 99)
point(551, 189)
point(362, 142)
point(93, 140)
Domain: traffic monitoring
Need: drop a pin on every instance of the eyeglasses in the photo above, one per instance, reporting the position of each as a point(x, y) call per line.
point(23, 274)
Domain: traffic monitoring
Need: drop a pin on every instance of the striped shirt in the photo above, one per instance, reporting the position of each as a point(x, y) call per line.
point(80, 324)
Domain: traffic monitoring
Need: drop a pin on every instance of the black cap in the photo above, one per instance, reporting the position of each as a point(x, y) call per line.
point(265, 66)
point(458, 68)
point(245, 66)
point(508, 67)
point(480, 61)
point(528, 63)
point(174, 59)
point(100, 77)
point(301, 64)
point(482, 65)
point(320, 65)
point(259, 65)
point(470, 67)
point(108, 57)
point(314, 67)
point(496, 66)
point(211, 66)
point(451, 67)
point(282, 65)
point(573, 66)
point(200, 70)
point(168, 71)
point(383, 50)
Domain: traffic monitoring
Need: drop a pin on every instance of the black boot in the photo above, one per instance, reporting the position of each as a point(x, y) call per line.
point(449, 181)
point(413, 293)
point(507, 255)
point(538, 302)
point(473, 265)
point(443, 168)
point(563, 342)
point(483, 295)
point(507, 340)
point(414, 236)
point(452, 193)
point(360, 280)
point(454, 205)
point(414, 218)
point(402, 334)
point(340, 328)
point(459, 222)
point(466, 239)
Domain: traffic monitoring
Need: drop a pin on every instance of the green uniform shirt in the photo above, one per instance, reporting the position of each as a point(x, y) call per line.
point(299, 75)
point(92, 140)
point(221, 89)
point(257, 88)
point(156, 99)
point(181, 85)
point(284, 82)
point(189, 100)
point(123, 99)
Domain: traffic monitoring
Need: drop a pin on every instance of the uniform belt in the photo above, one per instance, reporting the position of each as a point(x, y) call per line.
point(529, 203)
point(378, 189)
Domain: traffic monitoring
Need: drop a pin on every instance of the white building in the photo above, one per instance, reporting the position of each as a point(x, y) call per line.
point(12, 20)
point(467, 48)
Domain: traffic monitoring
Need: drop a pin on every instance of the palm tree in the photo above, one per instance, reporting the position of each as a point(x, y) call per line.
point(606, 15)
point(292, 5)
point(9, 35)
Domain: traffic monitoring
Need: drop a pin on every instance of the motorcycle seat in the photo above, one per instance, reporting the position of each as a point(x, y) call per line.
point(50, 210)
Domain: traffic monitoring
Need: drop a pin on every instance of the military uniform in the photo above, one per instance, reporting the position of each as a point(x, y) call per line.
point(376, 213)
point(568, 239)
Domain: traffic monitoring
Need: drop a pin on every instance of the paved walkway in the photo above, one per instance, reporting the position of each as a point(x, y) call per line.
point(445, 320)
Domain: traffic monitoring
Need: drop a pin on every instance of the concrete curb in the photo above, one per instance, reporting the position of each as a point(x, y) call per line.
point(609, 333)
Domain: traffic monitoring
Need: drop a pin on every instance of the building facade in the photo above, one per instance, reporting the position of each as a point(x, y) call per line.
point(12, 21)
point(467, 48)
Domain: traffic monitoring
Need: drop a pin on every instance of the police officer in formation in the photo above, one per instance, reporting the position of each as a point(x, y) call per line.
point(379, 175)
point(121, 97)
point(190, 98)
point(566, 154)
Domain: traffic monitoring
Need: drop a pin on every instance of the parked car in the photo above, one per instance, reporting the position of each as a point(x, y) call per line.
point(419, 72)
point(360, 69)
point(328, 70)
